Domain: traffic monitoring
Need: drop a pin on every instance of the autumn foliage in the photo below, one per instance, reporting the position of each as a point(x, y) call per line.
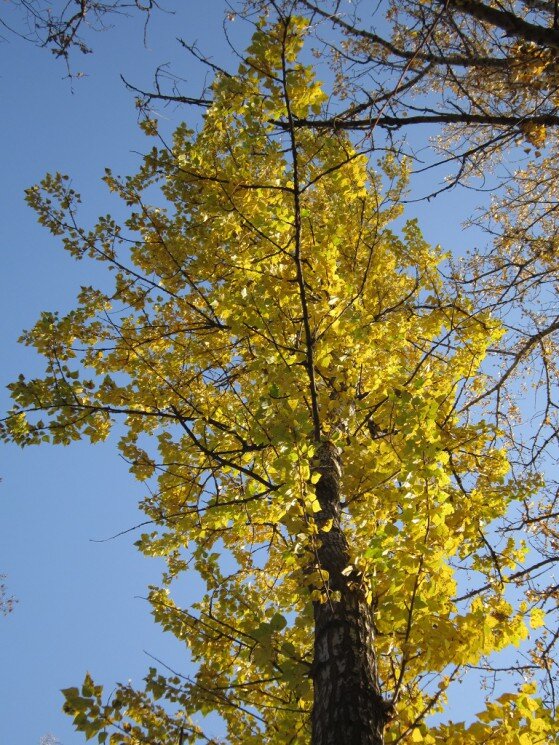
point(295, 381)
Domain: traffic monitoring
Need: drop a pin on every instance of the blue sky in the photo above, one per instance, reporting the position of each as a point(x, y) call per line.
point(80, 605)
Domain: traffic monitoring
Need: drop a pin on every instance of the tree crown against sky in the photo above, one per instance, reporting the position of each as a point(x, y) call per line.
point(484, 72)
point(231, 336)
point(296, 384)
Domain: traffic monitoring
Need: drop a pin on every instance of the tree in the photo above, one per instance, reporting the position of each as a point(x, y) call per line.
point(7, 602)
point(489, 70)
point(62, 27)
point(294, 381)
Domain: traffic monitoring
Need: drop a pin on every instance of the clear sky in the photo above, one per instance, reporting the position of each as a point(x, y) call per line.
point(80, 605)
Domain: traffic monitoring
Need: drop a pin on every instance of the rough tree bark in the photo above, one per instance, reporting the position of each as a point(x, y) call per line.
point(348, 707)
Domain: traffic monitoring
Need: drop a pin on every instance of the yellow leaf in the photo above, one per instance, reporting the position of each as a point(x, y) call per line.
point(537, 618)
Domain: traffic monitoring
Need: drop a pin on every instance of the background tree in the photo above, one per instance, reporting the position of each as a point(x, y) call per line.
point(295, 382)
point(64, 26)
point(7, 602)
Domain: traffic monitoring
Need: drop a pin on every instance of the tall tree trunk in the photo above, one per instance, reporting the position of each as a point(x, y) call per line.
point(348, 708)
